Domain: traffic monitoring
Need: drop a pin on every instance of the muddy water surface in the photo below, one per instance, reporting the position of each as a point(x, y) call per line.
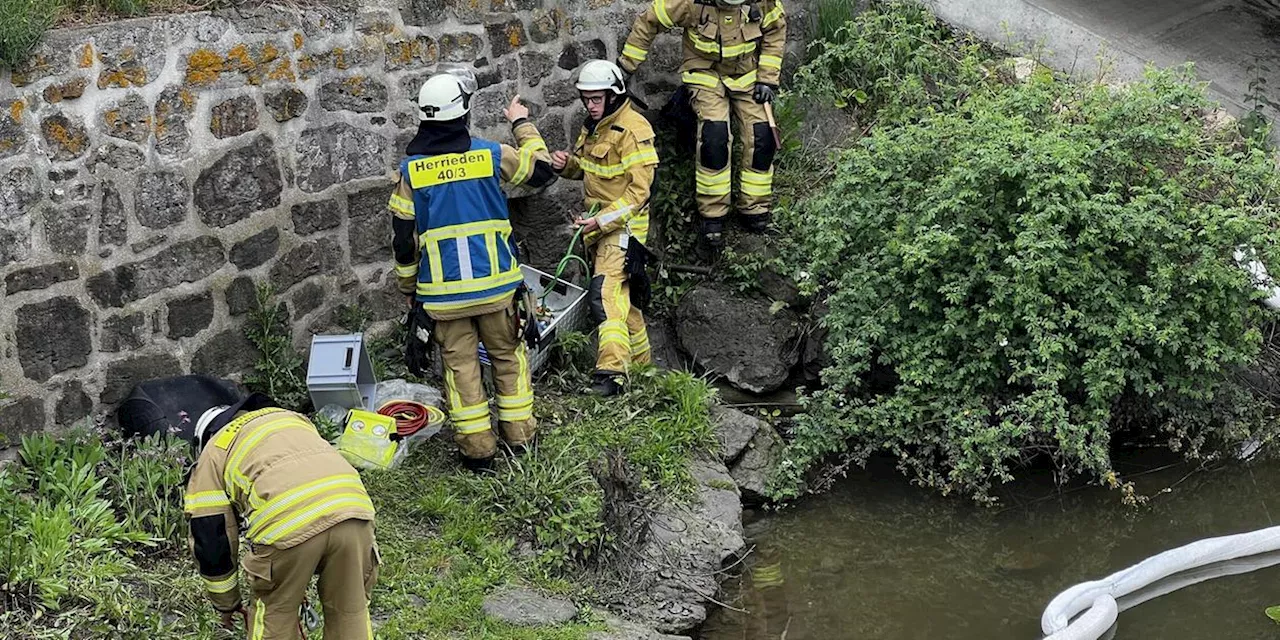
point(878, 558)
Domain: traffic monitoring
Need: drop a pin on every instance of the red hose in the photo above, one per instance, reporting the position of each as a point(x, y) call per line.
point(411, 417)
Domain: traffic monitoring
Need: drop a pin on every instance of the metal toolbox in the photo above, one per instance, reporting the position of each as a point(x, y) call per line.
point(568, 305)
point(341, 373)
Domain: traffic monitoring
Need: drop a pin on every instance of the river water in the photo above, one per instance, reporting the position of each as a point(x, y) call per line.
point(877, 558)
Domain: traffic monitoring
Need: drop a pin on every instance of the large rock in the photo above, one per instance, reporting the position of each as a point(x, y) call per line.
point(360, 94)
point(734, 430)
point(186, 261)
point(321, 257)
point(40, 277)
point(369, 230)
point(128, 119)
point(242, 296)
point(113, 226)
point(310, 217)
point(257, 249)
point(338, 154)
point(460, 46)
point(65, 138)
point(190, 315)
point(685, 550)
point(131, 56)
point(19, 189)
point(423, 12)
point(122, 375)
point(620, 629)
point(525, 608)
point(162, 198)
point(506, 34)
point(664, 345)
point(233, 117)
point(576, 53)
point(66, 228)
point(173, 110)
point(243, 181)
point(286, 104)
point(13, 136)
point(21, 416)
point(753, 469)
point(413, 53)
point(124, 332)
point(226, 354)
point(15, 245)
point(74, 405)
point(760, 351)
point(542, 224)
point(52, 336)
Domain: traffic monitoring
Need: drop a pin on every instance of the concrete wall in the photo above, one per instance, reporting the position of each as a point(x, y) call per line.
point(1232, 42)
point(153, 170)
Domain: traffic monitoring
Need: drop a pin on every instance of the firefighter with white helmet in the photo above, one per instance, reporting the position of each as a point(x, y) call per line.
point(456, 260)
point(305, 512)
point(732, 63)
point(615, 158)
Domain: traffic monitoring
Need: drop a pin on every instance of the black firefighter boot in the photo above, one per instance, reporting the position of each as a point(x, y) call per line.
point(605, 384)
point(757, 223)
point(710, 239)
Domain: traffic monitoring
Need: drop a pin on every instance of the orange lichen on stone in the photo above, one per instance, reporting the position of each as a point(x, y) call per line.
point(297, 41)
point(129, 76)
point(86, 56)
point(283, 72)
point(188, 99)
point(16, 109)
point(339, 58)
point(73, 143)
point(356, 85)
point(514, 36)
point(238, 58)
point(204, 67)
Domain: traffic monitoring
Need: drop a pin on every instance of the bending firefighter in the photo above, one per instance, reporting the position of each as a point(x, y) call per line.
point(732, 62)
point(455, 257)
point(306, 513)
point(615, 158)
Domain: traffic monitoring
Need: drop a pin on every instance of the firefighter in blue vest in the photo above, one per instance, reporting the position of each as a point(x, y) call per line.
point(456, 259)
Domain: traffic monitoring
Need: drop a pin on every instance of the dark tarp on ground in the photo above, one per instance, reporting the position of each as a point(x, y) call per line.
point(173, 404)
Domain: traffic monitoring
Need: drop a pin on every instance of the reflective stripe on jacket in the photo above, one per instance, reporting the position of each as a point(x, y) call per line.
point(737, 46)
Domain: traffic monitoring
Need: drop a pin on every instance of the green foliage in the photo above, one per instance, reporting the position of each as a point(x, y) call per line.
point(895, 60)
point(829, 16)
point(22, 24)
point(75, 517)
point(1029, 270)
point(279, 371)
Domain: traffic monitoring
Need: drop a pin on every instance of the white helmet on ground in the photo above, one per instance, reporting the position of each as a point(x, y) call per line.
point(446, 96)
point(203, 423)
point(601, 75)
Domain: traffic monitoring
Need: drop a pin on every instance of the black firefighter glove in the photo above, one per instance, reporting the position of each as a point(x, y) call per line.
point(764, 93)
point(527, 317)
point(417, 348)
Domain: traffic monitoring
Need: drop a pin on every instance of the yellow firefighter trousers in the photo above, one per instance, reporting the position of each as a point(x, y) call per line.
point(346, 558)
point(468, 404)
point(623, 338)
point(714, 175)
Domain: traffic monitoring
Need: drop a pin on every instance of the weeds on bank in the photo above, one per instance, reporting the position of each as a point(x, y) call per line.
point(87, 530)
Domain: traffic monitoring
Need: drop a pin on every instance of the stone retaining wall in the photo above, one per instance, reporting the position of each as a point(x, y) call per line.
point(152, 171)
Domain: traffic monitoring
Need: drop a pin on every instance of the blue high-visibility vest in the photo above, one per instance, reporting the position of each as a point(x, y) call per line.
point(464, 228)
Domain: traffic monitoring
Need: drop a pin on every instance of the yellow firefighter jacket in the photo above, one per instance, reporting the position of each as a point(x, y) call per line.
point(737, 46)
point(616, 162)
point(273, 470)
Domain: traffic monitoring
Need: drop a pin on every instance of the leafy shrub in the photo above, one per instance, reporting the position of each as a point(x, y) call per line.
point(279, 371)
point(1029, 271)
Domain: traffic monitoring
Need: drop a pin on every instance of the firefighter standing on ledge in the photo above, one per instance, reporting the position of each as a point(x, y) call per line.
point(456, 259)
point(616, 160)
point(732, 62)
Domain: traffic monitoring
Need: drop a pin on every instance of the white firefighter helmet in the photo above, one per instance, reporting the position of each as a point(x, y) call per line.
point(733, 3)
point(445, 96)
point(202, 424)
point(601, 75)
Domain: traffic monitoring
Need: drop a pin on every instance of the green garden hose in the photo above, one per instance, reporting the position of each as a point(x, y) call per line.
point(569, 256)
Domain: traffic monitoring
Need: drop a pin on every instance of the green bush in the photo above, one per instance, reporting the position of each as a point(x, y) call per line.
point(1029, 270)
point(280, 372)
